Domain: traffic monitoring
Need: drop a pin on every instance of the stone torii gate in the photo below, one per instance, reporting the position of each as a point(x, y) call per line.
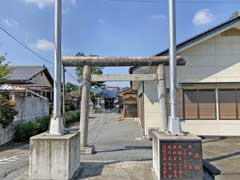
point(55, 154)
point(87, 62)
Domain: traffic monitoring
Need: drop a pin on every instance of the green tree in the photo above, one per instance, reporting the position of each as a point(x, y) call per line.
point(69, 87)
point(7, 111)
point(7, 107)
point(95, 70)
point(4, 70)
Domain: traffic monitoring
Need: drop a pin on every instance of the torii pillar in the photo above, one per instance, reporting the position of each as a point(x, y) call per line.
point(162, 99)
point(84, 112)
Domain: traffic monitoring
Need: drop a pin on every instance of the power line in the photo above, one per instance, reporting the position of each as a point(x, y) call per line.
point(24, 45)
point(73, 77)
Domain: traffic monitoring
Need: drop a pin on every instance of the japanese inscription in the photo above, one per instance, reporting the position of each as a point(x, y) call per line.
point(180, 160)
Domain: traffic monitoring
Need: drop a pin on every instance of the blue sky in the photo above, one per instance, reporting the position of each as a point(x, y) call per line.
point(103, 27)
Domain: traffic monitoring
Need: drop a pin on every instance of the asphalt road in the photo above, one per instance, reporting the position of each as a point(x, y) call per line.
point(116, 142)
point(13, 161)
point(122, 153)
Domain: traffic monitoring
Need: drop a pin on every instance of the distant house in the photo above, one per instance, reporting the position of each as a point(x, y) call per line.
point(208, 87)
point(31, 88)
point(128, 103)
point(110, 97)
point(105, 98)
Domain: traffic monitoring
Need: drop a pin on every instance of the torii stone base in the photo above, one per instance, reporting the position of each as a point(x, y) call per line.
point(54, 157)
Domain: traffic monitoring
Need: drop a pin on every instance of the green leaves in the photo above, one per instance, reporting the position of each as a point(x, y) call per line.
point(7, 111)
point(4, 70)
point(24, 131)
point(7, 107)
point(95, 70)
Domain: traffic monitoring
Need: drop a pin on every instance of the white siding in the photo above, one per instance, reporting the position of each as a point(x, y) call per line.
point(215, 60)
point(151, 106)
point(212, 128)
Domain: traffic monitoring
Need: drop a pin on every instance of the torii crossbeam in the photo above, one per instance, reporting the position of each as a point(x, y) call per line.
point(119, 61)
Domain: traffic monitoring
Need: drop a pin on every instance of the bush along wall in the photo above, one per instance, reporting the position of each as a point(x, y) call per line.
point(25, 130)
point(72, 117)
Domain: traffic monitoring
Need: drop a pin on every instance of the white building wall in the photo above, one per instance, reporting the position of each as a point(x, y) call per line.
point(216, 60)
point(151, 106)
point(29, 108)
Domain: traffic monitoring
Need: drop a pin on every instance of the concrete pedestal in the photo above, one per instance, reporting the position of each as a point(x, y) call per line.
point(54, 157)
point(87, 150)
point(177, 157)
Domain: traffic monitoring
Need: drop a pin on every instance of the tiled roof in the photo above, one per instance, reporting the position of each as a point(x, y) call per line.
point(24, 73)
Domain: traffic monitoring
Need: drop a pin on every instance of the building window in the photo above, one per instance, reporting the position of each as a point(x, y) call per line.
point(190, 105)
point(228, 104)
point(238, 103)
point(207, 104)
point(199, 104)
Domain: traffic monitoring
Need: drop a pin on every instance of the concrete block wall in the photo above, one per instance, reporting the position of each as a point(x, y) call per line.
point(6, 134)
point(29, 108)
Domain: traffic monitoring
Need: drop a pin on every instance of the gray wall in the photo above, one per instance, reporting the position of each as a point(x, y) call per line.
point(29, 108)
point(6, 135)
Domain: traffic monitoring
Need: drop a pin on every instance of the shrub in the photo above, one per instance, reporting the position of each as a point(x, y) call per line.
point(7, 111)
point(72, 117)
point(24, 131)
point(70, 106)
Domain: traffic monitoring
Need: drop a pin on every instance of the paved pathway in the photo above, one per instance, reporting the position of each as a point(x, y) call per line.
point(13, 160)
point(122, 153)
point(224, 153)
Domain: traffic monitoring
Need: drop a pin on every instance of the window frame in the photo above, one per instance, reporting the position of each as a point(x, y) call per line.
point(198, 105)
point(236, 103)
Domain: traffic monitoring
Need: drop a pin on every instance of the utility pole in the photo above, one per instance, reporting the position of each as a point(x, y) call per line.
point(174, 126)
point(63, 94)
point(56, 125)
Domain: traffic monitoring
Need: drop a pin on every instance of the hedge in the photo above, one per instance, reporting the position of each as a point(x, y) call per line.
point(24, 131)
point(72, 117)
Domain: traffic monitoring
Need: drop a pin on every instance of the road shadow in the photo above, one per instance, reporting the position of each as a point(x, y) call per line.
point(207, 140)
point(14, 145)
point(210, 171)
point(93, 169)
point(126, 148)
point(224, 156)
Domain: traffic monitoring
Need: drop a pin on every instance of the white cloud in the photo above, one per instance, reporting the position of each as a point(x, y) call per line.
point(43, 45)
point(158, 16)
point(73, 2)
point(100, 21)
point(40, 3)
point(45, 3)
point(203, 17)
point(10, 22)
